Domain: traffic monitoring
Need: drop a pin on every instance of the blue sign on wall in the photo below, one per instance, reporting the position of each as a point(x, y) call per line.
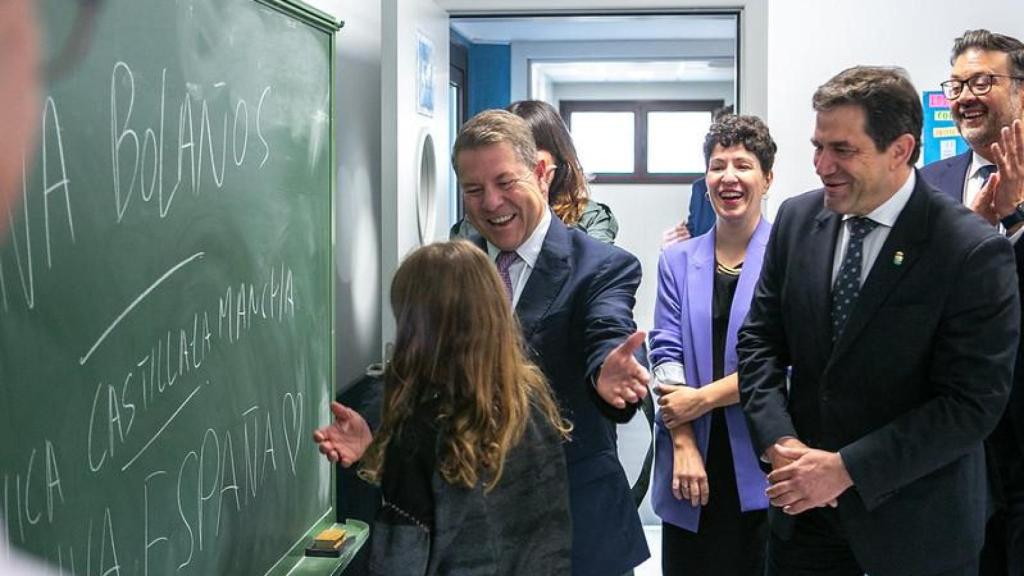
point(940, 139)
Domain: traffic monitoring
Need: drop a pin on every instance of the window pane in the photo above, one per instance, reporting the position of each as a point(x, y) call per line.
point(604, 141)
point(675, 141)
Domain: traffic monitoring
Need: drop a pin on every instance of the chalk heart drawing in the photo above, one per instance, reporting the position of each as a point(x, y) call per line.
point(291, 407)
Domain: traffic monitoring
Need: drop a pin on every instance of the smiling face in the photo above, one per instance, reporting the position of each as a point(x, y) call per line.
point(736, 183)
point(857, 176)
point(980, 118)
point(501, 195)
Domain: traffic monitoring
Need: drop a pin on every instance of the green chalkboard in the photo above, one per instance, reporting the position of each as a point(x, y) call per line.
point(166, 286)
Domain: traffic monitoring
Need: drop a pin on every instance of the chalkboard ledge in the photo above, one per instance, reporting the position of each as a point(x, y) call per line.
point(356, 534)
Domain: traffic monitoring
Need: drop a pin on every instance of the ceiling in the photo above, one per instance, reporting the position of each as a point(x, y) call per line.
point(706, 70)
point(502, 30)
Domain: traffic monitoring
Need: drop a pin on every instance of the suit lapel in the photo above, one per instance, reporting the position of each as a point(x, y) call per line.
point(749, 275)
point(820, 252)
point(955, 175)
point(700, 282)
point(553, 269)
point(899, 253)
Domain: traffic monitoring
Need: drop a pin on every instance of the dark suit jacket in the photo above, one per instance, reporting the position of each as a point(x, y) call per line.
point(1005, 445)
point(702, 216)
point(916, 381)
point(575, 308)
point(949, 175)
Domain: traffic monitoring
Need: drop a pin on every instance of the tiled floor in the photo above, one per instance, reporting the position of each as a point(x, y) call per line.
point(653, 565)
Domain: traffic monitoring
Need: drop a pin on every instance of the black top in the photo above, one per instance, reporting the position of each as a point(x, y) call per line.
point(409, 463)
point(721, 305)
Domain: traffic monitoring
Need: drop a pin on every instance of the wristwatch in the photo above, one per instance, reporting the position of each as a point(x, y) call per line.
point(1014, 218)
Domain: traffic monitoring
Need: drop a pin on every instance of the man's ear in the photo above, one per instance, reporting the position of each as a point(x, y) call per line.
point(540, 169)
point(901, 148)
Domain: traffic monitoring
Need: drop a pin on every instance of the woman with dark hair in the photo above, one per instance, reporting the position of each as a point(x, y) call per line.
point(468, 454)
point(564, 182)
point(708, 487)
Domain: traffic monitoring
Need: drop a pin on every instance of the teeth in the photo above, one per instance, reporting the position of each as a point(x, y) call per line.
point(501, 220)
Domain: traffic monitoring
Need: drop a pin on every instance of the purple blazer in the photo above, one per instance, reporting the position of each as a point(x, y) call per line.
point(682, 333)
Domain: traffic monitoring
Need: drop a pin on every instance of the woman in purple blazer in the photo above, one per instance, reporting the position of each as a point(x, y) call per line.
point(708, 487)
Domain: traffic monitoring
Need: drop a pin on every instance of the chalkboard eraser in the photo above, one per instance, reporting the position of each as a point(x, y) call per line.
point(327, 543)
point(315, 552)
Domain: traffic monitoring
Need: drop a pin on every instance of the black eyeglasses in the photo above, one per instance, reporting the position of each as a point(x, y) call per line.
point(979, 84)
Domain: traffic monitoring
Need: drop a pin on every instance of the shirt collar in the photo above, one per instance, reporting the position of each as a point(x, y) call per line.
point(977, 163)
point(529, 250)
point(889, 211)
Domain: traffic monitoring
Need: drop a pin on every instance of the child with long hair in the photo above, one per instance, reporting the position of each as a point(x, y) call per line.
point(468, 454)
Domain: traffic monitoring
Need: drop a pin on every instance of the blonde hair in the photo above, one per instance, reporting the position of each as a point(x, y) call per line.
point(459, 342)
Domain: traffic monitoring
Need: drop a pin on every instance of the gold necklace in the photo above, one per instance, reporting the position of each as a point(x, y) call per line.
point(727, 270)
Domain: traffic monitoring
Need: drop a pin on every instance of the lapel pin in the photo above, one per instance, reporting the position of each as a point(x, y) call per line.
point(897, 258)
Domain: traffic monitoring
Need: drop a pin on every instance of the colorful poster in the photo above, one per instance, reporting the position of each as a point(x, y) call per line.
point(940, 139)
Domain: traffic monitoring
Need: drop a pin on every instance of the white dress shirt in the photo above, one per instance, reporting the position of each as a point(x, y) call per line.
point(520, 270)
point(885, 215)
point(974, 181)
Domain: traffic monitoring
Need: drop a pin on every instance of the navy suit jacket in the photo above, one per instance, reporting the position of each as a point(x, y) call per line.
point(1005, 445)
point(906, 395)
point(949, 175)
point(702, 215)
point(575, 308)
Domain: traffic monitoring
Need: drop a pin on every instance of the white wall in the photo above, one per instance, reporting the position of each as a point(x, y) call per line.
point(753, 30)
point(810, 41)
point(357, 205)
point(644, 212)
point(402, 128)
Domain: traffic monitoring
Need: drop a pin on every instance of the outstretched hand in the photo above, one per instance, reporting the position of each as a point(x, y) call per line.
point(346, 439)
point(622, 379)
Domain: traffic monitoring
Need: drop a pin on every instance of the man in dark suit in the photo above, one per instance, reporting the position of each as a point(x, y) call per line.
point(878, 352)
point(987, 103)
point(574, 299)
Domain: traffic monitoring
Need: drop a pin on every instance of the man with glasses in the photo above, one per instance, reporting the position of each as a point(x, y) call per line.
point(986, 95)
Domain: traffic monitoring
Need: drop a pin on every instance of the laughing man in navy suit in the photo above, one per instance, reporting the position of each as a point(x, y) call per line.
point(574, 298)
point(987, 103)
point(878, 351)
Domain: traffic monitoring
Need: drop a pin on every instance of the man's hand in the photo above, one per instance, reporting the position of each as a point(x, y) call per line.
point(1008, 155)
point(689, 478)
point(984, 204)
point(811, 479)
point(346, 439)
point(680, 404)
point(677, 233)
point(622, 379)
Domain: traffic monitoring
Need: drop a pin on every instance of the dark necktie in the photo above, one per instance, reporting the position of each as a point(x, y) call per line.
point(504, 261)
point(847, 286)
point(985, 172)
